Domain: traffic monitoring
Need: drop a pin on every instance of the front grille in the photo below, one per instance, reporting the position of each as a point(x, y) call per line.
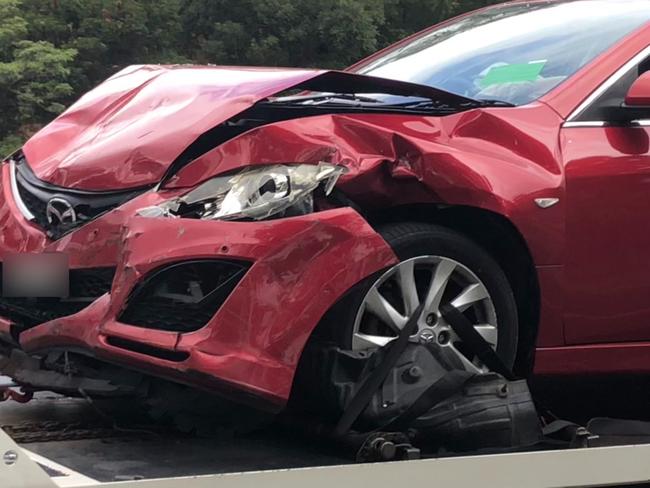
point(86, 286)
point(182, 297)
point(83, 206)
point(33, 203)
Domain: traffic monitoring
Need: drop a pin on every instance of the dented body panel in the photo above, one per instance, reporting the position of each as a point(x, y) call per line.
point(488, 159)
point(250, 342)
point(494, 159)
point(115, 137)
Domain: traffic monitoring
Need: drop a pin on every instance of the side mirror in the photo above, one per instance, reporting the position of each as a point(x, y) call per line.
point(639, 94)
point(636, 105)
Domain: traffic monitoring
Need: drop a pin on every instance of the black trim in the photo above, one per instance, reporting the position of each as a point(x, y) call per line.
point(147, 349)
point(156, 303)
point(346, 82)
point(609, 106)
point(88, 205)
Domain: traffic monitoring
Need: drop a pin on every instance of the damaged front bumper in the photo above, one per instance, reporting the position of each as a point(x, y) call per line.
point(271, 282)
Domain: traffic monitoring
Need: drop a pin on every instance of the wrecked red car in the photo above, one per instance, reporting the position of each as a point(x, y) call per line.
point(207, 222)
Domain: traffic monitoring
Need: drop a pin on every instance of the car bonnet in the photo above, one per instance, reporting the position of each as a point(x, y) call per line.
point(129, 131)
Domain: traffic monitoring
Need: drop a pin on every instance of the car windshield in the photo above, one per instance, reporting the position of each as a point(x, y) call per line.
point(512, 53)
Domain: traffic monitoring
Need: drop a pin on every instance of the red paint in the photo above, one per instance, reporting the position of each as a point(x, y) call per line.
point(608, 195)
point(117, 136)
point(493, 159)
point(255, 339)
point(639, 94)
point(590, 250)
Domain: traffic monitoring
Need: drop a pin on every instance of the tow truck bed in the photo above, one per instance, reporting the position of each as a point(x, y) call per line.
point(72, 433)
point(64, 442)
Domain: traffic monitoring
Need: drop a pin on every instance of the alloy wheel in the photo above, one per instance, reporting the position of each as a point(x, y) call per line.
point(436, 281)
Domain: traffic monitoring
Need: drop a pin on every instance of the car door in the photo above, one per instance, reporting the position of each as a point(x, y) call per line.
point(607, 267)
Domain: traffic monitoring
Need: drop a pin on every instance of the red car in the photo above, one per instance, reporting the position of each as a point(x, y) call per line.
point(201, 224)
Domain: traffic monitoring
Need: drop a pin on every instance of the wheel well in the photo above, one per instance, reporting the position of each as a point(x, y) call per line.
point(499, 237)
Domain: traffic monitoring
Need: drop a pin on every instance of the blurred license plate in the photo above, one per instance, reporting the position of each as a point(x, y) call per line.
point(43, 275)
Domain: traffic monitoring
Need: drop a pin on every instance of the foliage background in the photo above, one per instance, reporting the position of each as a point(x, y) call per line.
point(51, 51)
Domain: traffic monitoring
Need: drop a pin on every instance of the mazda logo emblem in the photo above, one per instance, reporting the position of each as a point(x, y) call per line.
point(427, 336)
point(60, 211)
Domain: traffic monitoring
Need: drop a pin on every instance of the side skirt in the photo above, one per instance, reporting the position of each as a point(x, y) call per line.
point(613, 358)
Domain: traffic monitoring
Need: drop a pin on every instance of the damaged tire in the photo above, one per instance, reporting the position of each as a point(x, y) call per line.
point(438, 266)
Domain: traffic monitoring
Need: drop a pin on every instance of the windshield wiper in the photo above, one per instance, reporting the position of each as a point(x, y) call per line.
point(352, 99)
point(487, 102)
point(423, 104)
point(327, 98)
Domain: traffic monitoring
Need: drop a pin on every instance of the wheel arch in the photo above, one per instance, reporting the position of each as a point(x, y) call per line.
point(501, 239)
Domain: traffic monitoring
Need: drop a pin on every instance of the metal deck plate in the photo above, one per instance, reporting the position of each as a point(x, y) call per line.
point(171, 460)
point(129, 453)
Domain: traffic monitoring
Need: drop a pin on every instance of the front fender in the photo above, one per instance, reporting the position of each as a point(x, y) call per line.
point(497, 159)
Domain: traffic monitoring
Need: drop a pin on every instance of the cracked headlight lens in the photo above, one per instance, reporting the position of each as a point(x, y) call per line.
point(255, 193)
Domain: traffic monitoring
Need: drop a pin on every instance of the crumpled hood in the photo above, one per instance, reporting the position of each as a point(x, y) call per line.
point(126, 132)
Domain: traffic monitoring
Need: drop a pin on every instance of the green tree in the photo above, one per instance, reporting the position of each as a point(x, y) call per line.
point(35, 86)
point(42, 84)
point(13, 26)
point(107, 34)
point(328, 33)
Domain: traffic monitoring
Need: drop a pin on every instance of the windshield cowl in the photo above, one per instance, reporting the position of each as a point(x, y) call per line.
point(370, 93)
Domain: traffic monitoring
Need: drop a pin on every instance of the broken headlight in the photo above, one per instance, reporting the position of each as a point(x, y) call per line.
point(255, 194)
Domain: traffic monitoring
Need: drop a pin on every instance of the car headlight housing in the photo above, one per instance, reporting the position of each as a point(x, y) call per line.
point(254, 194)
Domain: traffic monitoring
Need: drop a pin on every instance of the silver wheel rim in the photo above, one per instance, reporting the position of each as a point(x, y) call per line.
point(437, 281)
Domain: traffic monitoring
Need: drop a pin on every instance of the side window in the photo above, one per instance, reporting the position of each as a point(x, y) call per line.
point(614, 96)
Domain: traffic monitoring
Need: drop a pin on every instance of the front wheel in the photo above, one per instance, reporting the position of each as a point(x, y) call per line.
point(437, 267)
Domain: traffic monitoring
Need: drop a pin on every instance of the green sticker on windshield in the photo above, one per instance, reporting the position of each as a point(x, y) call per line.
point(513, 73)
